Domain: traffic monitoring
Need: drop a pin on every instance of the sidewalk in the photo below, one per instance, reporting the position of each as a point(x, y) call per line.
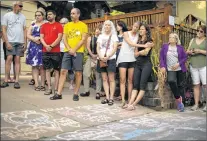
point(30, 115)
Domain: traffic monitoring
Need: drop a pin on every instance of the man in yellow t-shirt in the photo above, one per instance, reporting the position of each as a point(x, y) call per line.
point(75, 36)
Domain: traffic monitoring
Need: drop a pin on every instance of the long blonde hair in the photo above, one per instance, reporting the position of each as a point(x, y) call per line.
point(176, 37)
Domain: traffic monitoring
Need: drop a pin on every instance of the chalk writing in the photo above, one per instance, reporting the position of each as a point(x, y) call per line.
point(30, 124)
point(88, 134)
point(137, 132)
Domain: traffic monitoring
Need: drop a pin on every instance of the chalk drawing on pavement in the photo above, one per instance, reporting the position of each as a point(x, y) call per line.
point(30, 124)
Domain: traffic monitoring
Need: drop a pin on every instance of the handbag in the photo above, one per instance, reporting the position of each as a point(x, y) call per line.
point(103, 64)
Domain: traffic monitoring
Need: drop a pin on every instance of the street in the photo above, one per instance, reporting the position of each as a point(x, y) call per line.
point(27, 114)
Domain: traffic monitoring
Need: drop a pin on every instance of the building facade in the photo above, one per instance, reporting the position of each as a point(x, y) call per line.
point(28, 10)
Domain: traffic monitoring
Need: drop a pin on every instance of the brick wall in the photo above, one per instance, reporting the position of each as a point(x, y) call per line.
point(152, 98)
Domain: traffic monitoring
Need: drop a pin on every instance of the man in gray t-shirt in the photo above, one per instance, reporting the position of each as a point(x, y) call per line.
point(14, 33)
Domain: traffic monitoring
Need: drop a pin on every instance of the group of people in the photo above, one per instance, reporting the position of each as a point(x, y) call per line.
point(60, 46)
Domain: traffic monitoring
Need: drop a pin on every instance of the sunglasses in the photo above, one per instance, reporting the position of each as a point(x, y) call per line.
point(20, 6)
point(201, 31)
point(38, 15)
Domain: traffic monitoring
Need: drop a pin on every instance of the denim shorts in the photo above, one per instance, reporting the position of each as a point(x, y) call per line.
point(70, 62)
point(110, 68)
point(18, 50)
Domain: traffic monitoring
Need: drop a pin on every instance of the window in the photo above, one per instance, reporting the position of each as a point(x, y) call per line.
point(98, 13)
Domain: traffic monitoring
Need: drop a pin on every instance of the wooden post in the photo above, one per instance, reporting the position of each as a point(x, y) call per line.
point(190, 20)
point(105, 16)
point(167, 12)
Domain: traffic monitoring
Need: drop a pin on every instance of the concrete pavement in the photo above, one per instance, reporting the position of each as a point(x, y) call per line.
point(30, 115)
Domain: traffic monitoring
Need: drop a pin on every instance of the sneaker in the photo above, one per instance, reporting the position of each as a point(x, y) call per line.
point(71, 86)
point(4, 84)
point(16, 85)
point(75, 97)
point(180, 105)
point(48, 92)
point(56, 96)
point(204, 109)
point(194, 108)
point(85, 94)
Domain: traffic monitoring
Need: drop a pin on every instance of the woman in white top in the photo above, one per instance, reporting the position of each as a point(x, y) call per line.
point(126, 59)
point(108, 36)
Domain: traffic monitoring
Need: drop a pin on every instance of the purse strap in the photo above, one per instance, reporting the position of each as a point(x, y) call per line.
point(107, 46)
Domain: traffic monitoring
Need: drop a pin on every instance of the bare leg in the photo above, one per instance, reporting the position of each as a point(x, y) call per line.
point(196, 89)
point(112, 84)
point(8, 67)
point(130, 82)
point(105, 84)
point(42, 73)
point(139, 97)
point(122, 72)
point(62, 79)
point(48, 78)
point(78, 78)
point(133, 97)
point(17, 67)
point(57, 75)
point(36, 75)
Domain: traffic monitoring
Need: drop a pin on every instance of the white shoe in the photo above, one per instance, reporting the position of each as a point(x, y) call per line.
point(204, 109)
point(194, 108)
point(71, 87)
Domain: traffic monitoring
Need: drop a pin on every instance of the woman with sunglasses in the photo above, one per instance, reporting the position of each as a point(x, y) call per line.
point(197, 53)
point(34, 54)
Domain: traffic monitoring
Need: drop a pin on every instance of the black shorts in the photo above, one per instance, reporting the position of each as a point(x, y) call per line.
point(51, 60)
point(110, 68)
point(127, 65)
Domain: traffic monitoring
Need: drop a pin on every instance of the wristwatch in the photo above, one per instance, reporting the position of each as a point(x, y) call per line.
point(51, 46)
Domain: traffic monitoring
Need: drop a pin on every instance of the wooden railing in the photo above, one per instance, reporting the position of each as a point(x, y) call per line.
point(152, 17)
point(185, 34)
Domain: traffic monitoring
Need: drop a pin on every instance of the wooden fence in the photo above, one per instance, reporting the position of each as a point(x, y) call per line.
point(185, 34)
point(154, 18)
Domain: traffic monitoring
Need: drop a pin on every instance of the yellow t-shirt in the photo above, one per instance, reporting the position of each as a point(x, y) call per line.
point(73, 32)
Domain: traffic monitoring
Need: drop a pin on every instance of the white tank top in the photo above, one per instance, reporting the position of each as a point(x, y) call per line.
point(127, 52)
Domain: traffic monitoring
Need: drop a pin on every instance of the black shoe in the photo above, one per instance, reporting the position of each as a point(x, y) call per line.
point(75, 97)
point(32, 82)
point(4, 85)
point(55, 97)
point(85, 94)
point(105, 101)
point(16, 85)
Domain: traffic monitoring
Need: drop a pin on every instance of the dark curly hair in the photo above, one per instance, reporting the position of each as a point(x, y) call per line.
point(148, 33)
point(123, 25)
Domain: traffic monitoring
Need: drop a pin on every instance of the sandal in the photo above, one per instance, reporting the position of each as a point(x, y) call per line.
point(118, 98)
point(42, 88)
point(38, 88)
point(130, 108)
point(11, 81)
point(48, 92)
point(98, 95)
point(46, 83)
point(102, 94)
point(32, 82)
point(124, 105)
point(105, 101)
point(111, 102)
